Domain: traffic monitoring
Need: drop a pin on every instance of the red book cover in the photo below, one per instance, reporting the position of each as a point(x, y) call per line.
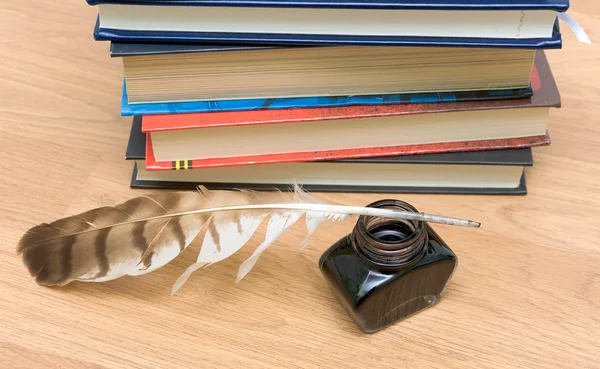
point(513, 143)
point(541, 76)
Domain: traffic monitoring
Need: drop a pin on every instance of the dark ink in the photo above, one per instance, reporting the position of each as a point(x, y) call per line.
point(386, 270)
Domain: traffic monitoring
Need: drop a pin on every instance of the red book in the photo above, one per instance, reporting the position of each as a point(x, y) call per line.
point(203, 140)
point(514, 143)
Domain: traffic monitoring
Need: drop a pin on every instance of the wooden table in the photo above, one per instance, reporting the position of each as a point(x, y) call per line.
point(526, 293)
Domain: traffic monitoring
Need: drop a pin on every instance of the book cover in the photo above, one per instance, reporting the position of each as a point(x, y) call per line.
point(132, 36)
point(124, 49)
point(174, 185)
point(556, 5)
point(520, 154)
point(312, 102)
point(543, 85)
point(407, 150)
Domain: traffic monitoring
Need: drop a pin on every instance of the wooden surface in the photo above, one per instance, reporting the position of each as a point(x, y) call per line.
point(526, 293)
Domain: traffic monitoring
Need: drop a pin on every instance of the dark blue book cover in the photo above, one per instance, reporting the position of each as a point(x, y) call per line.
point(508, 23)
point(556, 5)
point(100, 34)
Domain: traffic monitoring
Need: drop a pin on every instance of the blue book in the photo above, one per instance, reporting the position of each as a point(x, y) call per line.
point(481, 23)
point(128, 109)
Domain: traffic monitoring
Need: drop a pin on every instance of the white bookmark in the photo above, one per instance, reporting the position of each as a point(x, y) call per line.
point(575, 27)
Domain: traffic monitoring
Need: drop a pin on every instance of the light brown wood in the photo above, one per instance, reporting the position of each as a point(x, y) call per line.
point(526, 293)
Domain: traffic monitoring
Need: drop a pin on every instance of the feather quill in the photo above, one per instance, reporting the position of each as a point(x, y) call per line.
point(147, 232)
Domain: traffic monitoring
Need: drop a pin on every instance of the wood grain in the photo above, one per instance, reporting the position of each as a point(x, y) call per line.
point(526, 293)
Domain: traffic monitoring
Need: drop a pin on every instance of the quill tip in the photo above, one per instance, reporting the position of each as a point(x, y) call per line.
point(449, 220)
point(468, 223)
point(472, 223)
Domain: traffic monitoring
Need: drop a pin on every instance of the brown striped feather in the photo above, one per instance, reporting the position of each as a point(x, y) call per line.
point(95, 246)
point(72, 249)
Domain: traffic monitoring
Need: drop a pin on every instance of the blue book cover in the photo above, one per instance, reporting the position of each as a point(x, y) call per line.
point(307, 22)
point(313, 102)
point(556, 5)
point(555, 42)
point(123, 49)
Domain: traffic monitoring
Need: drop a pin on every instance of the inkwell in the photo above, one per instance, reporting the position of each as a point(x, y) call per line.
point(386, 270)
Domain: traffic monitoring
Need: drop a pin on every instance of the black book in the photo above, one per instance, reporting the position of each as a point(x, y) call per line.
point(490, 172)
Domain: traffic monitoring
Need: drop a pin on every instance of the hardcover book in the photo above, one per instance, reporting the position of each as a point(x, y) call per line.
point(267, 136)
point(510, 23)
point(214, 106)
point(167, 73)
point(499, 172)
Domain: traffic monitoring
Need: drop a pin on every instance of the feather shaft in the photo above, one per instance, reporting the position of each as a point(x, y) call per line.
point(340, 209)
point(343, 209)
point(325, 208)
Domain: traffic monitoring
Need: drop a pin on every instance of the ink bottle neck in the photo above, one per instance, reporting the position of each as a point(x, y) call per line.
point(390, 244)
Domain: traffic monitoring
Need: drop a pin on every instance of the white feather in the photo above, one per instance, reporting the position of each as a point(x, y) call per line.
point(161, 258)
point(279, 222)
point(233, 234)
point(186, 275)
point(230, 238)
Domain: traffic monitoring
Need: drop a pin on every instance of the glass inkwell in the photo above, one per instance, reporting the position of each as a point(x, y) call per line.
point(386, 270)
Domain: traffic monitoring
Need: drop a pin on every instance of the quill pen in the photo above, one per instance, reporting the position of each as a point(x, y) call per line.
point(147, 232)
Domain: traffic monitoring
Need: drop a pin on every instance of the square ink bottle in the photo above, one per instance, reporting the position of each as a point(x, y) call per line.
point(386, 270)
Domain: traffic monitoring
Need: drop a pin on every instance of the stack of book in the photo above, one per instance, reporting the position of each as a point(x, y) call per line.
point(445, 96)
